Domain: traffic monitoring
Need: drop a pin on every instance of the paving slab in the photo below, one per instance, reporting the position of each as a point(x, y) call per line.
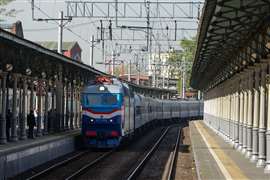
point(206, 165)
point(217, 159)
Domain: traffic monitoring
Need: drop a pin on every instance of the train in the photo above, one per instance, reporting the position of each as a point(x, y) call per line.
point(112, 112)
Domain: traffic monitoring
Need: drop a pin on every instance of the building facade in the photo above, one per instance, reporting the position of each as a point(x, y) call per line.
point(69, 49)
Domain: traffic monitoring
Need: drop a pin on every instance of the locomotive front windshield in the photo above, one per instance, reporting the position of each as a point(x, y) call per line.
point(102, 99)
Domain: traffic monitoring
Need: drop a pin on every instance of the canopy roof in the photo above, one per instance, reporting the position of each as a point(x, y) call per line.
point(226, 27)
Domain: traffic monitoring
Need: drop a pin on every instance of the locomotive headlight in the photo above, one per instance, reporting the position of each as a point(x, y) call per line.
point(92, 120)
point(111, 120)
point(101, 88)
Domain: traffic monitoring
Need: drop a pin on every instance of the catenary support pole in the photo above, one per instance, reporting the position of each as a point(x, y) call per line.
point(92, 51)
point(60, 33)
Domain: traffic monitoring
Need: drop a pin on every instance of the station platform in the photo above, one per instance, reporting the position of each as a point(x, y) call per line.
point(217, 159)
point(17, 157)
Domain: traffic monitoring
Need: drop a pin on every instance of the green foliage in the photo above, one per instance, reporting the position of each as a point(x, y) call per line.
point(6, 12)
point(188, 46)
point(5, 2)
point(117, 70)
point(179, 86)
point(183, 60)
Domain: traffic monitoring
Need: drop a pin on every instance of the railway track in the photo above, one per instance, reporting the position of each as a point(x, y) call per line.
point(172, 160)
point(89, 165)
point(120, 164)
point(80, 165)
point(69, 162)
point(42, 173)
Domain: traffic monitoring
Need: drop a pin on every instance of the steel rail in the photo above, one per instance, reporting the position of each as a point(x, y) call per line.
point(139, 168)
point(174, 156)
point(89, 165)
point(57, 165)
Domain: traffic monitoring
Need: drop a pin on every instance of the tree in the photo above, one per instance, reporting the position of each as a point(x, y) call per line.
point(6, 12)
point(5, 2)
point(182, 61)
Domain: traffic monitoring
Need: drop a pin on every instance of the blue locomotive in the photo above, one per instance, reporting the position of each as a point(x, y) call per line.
point(112, 112)
point(106, 106)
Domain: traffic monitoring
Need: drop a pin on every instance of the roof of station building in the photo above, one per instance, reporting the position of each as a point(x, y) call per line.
point(226, 27)
point(52, 45)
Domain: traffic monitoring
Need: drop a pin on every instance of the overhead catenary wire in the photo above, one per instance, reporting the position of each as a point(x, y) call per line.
point(109, 44)
point(54, 28)
point(65, 27)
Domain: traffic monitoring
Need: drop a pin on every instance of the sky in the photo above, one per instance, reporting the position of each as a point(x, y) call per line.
point(81, 29)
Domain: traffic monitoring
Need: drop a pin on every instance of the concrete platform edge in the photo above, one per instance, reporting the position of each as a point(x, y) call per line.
point(194, 155)
point(15, 162)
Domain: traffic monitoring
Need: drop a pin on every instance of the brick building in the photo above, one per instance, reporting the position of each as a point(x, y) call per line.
point(69, 49)
point(15, 28)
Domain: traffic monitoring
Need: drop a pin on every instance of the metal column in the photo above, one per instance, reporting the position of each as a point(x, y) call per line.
point(53, 110)
point(13, 123)
point(76, 109)
point(256, 117)
point(79, 108)
point(67, 107)
point(237, 118)
point(63, 110)
point(267, 164)
point(46, 119)
point(24, 113)
point(3, 138)
point(75, 117)
point(245, 116)
point(39, 98)
point(261, 157)
point(32, 86)
point(59, 99)
point(249, 115)
point(232, 117)
point(241, 118)
point(71, 107)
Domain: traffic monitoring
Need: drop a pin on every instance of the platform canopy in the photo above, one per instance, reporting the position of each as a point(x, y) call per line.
point(229, 39)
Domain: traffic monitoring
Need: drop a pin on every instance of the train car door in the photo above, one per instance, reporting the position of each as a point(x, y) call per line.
point(126, 104)
point(131, 112)
point(126, 110)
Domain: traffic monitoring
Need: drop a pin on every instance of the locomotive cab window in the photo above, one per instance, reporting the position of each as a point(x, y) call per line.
point(102, 99)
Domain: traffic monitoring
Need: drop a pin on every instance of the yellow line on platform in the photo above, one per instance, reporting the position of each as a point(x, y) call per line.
point(227, 166)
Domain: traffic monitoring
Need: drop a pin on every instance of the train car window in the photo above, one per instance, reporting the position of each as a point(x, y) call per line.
point(109, 99)
point(126, 91)
point(138, 110)
point(131, 92)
